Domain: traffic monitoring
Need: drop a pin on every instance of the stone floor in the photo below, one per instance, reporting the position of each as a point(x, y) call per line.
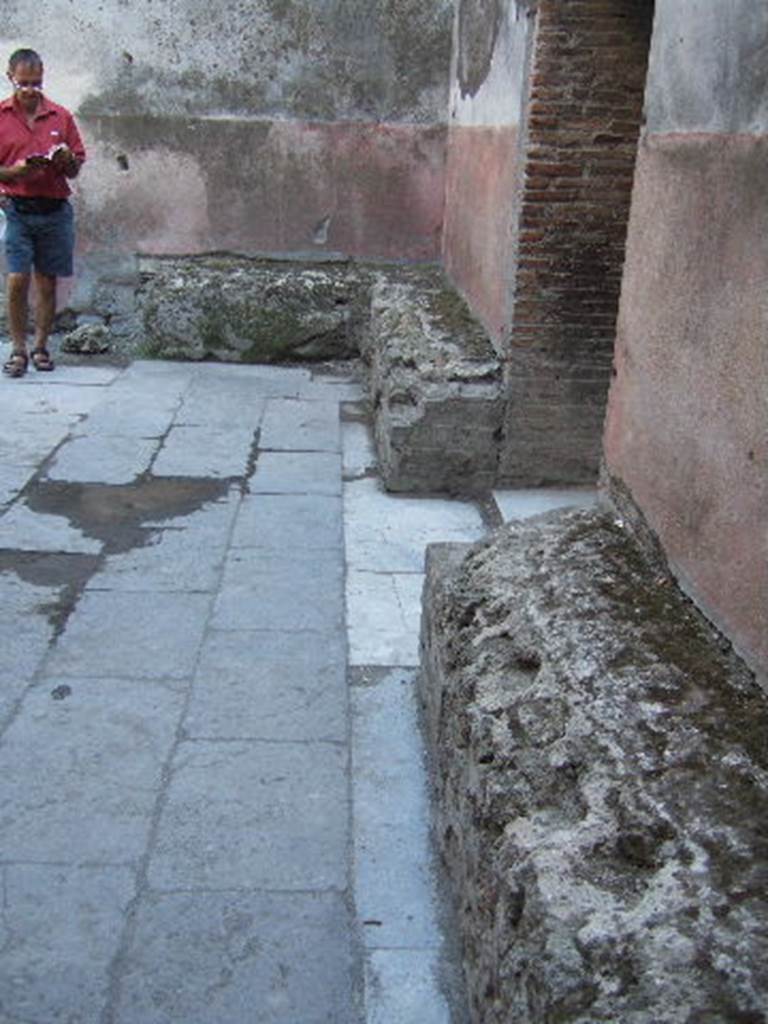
point(213, 802)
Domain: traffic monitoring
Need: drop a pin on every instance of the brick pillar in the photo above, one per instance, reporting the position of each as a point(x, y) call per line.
point(583, 118)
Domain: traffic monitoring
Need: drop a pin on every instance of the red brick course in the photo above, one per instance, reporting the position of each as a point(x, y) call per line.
point(584, 113)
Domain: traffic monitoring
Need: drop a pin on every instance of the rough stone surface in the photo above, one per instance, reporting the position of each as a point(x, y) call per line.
point(602, 771)
point(435, 387)
point(88, 339)
point(250, 311)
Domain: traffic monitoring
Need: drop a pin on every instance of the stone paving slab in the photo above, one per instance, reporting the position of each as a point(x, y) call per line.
point(358, 451)
point(81, 774)
point(402, 987)
point(13, 479)
point(289, 522)
point(390, 534)
point(228, 958)
point(26, 443)
point(106, 460)
point(254, 816)
point(24, 530)
point(26, 637)
point(60, 929)
point(394, 874)
point(82, 376)
point(281, 591)
point(155, 636)
point(65, 400)
point(383, 616)
point(129, 415)
point(223, 403)
point(278, 686)
point(205, 452)
point(291, 425)
point(185, 554)
point(525, 502)
point(297, 473)
point(266, 381)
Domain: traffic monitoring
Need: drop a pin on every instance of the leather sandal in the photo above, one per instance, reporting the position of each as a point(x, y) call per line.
point(41, 359)
point(16, 364)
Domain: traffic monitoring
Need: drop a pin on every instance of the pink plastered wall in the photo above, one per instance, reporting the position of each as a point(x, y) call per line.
point(478, 242)
point(362, 189)
point(687, 426)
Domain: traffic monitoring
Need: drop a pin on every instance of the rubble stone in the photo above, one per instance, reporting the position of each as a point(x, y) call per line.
point(88, 339)
point(252, 311)
point(435, 383)
point(602, 775)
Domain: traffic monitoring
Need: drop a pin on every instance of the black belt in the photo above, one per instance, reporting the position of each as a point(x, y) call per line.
point(36, 204)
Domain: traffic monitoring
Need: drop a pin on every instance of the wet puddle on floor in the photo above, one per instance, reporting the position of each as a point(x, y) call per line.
point(122, 517)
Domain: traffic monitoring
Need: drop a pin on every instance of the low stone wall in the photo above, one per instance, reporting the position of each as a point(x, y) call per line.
point(252, 311)
point(602, 776)
point(435, 383)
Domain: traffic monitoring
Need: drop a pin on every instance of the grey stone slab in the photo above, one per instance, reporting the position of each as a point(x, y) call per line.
point(106, 460)
point(80, 775)
point(25, 630)
point(285, 380)
point(21, 529)
point(27, 440)
point(205, 452)
point(292, 425)
point(289, 522)
point(387, 533)
point(186, 554)
point(60, 928)
point(297, 473)
point(525, 502)
point(383, 617)
point(402, 986)
point(276, 686)
point(335, 389)
point(128, 414)
point(254, 815)
point(223, 403)
point(358, 452)
point(146, 636)
point(83, 376)
point(393, 864)
point(13, 479)
point(200, 958)
point(281, 591)
point(64, 400)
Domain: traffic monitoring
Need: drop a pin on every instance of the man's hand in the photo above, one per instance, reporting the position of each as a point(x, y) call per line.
point(65, 161)
point(18, 170)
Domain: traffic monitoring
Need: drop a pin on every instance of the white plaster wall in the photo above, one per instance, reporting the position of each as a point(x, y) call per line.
point(499, 100)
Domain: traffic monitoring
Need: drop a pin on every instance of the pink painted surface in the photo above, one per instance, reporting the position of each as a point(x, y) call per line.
point(367, 190)
point(687, 424)
point(478, 239)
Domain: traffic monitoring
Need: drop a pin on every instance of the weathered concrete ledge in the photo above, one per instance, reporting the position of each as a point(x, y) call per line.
point(435, 383)
point(602, 774)
point(236, 309)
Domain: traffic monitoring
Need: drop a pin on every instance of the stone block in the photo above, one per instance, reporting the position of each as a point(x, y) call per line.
point(601, 769)
point(254, 815)
point(435, 384)
point(252, 311)
point(237, 956)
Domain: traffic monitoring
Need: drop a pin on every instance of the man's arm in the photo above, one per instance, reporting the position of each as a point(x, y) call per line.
point(72, 153)
point(16, 171)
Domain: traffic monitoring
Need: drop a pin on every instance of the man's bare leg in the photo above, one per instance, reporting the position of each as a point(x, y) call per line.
point(45, 308)
point(17, 291)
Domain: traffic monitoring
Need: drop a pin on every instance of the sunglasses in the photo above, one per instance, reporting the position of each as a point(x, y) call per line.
point(36, 84)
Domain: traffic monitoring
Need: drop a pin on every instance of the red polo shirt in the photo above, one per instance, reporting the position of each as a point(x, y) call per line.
point(52, 124)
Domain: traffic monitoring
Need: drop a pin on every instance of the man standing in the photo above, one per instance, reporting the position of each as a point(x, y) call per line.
point(40, 148)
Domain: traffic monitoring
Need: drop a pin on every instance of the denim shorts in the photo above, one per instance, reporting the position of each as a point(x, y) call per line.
point(44, 241)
